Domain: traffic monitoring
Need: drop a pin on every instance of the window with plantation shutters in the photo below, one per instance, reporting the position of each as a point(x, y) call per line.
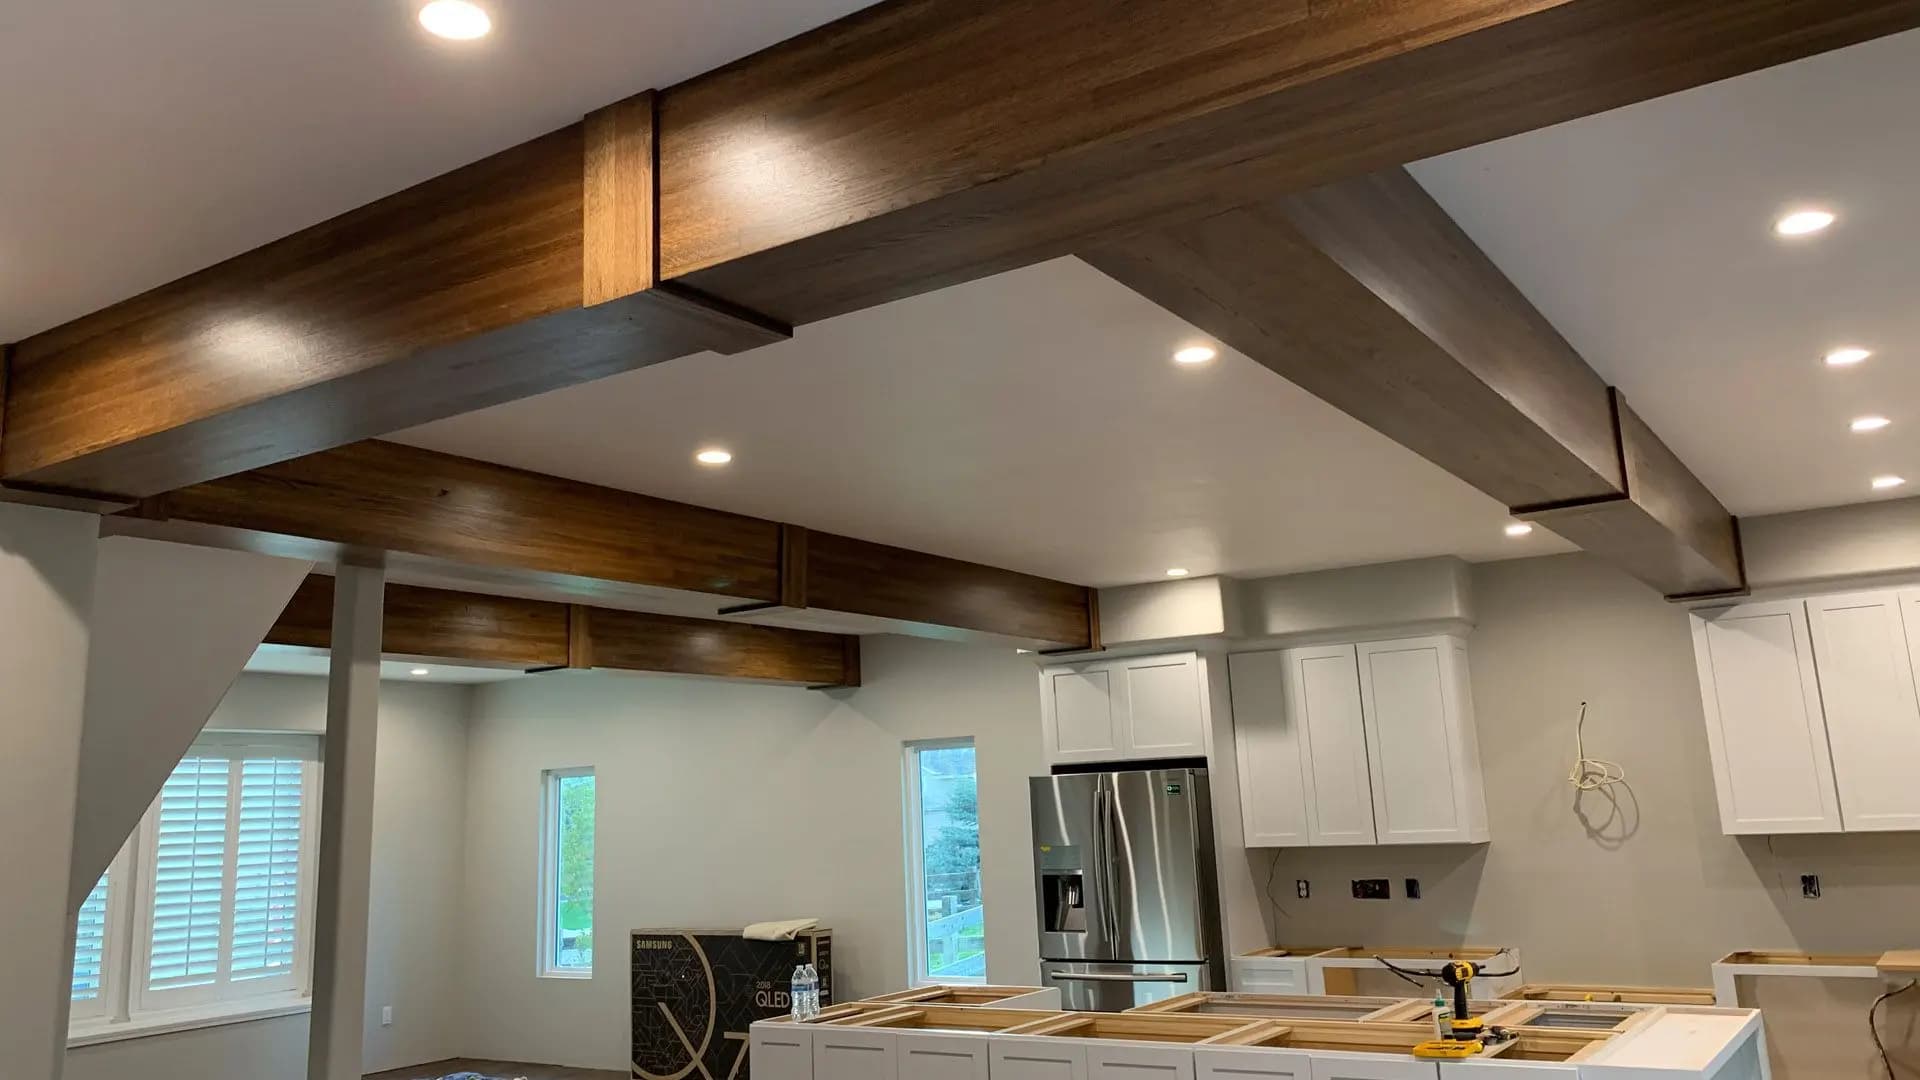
point(190, 854)
point(206, 911)
point(270, 830)
point(89, 951)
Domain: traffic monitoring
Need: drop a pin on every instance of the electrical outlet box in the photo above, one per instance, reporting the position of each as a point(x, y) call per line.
point(1301, 889)
point(1810, 886)
point(1413, 888)
point(1371, 889)
point(386, 1016)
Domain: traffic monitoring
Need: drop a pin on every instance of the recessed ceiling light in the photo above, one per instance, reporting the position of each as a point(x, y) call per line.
point(1847, 357)
point(421, 671)
point(1803, 222)
point(1519, 528)
point(1869, 423)
point(455, 19)
point(713, 456)
point(1178, 571)
point(1882, 483)
point(1195, 354)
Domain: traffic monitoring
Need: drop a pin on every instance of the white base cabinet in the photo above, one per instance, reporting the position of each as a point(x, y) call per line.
point(1014, 1058)
point(927, 1055)
point(1129, 708)
point(780, 1051)
point(1812, 717)
point(1250, 1063)
point(1368, 743)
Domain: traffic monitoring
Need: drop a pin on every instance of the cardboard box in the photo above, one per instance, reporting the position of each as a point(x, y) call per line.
point(695, 992)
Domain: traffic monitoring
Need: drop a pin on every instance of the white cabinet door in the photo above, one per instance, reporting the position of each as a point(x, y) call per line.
point(1164, 716)
point(1273, 797)
point(1772, 770)
point(1079, 715)
point(1866, 674)
point(853, 1054)
point(941, 1056)
point(1016, 1057)
point(1338, 1065)
point(1411, 696)
point(1250, 1063)
point(1323, 692)
point(1114, 1060)
point(1267, 974)
point(781, 1051)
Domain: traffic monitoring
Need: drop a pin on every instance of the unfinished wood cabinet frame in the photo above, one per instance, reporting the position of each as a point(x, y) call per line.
point(1728, 970)
point(1610, 993)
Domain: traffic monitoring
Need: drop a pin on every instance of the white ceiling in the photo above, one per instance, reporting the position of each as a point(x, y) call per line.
point(1644, 234)
point(299, 660)
point(145, 139)
point(1031, 420)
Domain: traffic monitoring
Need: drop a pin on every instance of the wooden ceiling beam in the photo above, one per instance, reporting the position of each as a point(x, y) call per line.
point(912, 145)
point(527, 271)
point(445, 624)
point(919, 143)
point(1367, 295)
point(382, 500)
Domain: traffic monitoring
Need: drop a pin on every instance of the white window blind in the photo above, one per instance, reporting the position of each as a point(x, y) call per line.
point(189, 874)
point(266, 886)
point(90, 944)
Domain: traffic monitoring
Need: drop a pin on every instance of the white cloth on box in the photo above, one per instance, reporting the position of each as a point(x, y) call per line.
point(784, 930)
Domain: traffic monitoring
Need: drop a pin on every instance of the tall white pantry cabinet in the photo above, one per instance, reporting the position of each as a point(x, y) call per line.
point(1812, 716)
point(1365, 743)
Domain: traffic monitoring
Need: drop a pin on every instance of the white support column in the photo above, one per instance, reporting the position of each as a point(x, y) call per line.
point(46, 602)
point(346, 828)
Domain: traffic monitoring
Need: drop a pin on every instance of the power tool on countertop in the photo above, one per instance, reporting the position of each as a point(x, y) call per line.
point(1465, 1035)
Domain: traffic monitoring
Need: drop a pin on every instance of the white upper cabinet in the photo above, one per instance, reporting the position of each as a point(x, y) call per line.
point(1077, 708)
point(1323, 695)
point(1424, 759)
point(1358, 744)
point(1866, 670)
point(1165, 716)
point(1128, 708)
point(1765, 731)
point(1271, 748)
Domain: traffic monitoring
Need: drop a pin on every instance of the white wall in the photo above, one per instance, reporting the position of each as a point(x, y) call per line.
point(413, 963)
point(46, 586)
point(727, 803)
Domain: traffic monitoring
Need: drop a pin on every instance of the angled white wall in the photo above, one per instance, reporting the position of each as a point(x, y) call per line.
point(46, 587)
point(172, 627)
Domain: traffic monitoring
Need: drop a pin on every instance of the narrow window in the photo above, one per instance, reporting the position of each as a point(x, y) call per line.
point(947, 934)
point(566, 874)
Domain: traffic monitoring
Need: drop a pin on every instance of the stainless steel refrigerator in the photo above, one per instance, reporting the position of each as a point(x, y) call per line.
point(1129, 910)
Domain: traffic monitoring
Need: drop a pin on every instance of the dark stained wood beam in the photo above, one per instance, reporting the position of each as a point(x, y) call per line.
point(439, 624)
point(381, 500)
point(527, 271)
point(1366, 294)
point(1670, 531)
point(919, 143)
point(912, 145)
point(445, 624)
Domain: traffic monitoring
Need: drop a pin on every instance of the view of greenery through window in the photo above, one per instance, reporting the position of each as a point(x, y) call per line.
point(573, 878)
point(950, 847)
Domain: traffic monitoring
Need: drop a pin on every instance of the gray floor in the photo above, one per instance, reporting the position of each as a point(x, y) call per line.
point(437, 1069)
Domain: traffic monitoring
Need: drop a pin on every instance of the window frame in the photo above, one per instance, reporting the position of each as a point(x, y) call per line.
point(547, 903)
point(914, 843)
point(126, 1008)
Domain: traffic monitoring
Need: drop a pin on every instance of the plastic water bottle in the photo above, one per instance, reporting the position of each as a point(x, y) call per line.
point(797, 994)
point(812, 978)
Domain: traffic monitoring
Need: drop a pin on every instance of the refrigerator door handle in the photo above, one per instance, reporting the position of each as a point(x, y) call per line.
point(1109, 908)
point(1161, 977)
